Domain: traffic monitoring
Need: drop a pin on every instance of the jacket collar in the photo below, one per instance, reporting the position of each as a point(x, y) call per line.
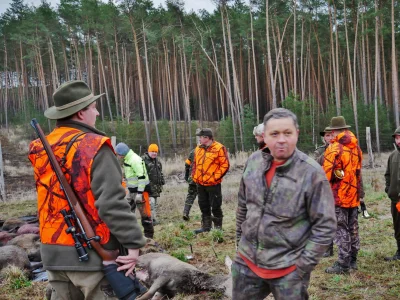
point(78, 125)
point(267, 158)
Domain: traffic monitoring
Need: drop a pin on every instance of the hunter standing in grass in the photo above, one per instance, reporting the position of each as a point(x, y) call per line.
point(136, 180)
point(326, 136)
point(156, 178)
point(192, 186)
point(393, 191)
point(285, 218)
point(210, 164)
point(88, 161)
point(342, 166)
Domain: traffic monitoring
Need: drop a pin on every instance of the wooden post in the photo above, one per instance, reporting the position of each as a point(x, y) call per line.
point(369, 148)
point(2, 185)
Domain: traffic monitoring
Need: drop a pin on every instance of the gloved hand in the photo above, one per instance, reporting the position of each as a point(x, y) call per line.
point(364, 211)
point(139, 198)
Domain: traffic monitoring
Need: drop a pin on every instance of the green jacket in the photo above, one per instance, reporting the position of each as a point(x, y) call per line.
point(188, 168)
point(156, 176)
point(319, 154)
point(113, 208)
point(135, 172)
point(290, 223)
point(392, 179)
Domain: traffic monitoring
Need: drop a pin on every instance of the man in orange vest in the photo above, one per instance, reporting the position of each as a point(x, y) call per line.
point(89, 163)
point(342, 166)
point(210, 165)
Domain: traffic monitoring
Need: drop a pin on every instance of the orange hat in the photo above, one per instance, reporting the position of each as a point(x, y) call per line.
point(153, 148)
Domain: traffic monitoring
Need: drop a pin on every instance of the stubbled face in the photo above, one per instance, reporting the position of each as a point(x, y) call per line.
point(205, 140)
point(281, 137)
point(397, 139)
point(328, 137)
point(89, 115)
point(334, 133)
point(153, 154)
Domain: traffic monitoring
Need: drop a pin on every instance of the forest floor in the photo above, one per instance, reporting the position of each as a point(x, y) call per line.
point(375, 278)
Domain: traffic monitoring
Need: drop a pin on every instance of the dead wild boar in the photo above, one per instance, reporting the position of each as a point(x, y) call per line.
point(167, 275)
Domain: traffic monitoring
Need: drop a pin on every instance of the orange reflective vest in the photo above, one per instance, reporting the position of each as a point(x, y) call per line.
point(342, 166)
point(75, 151)
point(210, 164)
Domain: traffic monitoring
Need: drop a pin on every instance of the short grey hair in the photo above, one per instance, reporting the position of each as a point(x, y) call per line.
point(258, 130)
point(281, 113)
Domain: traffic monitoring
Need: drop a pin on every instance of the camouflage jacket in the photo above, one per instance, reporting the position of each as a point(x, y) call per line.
point(319, 154)
point(188, 168)
point(290, 223)
point(156, 177)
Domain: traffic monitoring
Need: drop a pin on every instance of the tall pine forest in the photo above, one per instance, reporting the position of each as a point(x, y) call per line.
point(165, 71)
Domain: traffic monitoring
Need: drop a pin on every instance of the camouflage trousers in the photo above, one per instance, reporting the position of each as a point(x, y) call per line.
point(247, 285)
point(347, 238)
point(191, 196)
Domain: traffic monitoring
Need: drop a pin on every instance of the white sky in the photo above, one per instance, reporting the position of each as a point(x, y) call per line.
point(189, 4)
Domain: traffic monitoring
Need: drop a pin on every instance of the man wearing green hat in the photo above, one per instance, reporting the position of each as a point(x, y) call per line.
point(326, 137)
point(342, 166)
point(92, 169)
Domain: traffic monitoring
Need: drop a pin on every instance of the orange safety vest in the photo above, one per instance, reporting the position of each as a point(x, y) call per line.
point(76, 163)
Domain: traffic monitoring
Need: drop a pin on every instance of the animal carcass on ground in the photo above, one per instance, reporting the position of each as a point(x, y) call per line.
point(166, 275)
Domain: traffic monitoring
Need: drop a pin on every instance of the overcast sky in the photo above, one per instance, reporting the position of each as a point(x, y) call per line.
point(189, 4)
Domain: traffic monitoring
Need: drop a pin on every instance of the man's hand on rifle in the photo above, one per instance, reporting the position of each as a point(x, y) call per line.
point(128, 262)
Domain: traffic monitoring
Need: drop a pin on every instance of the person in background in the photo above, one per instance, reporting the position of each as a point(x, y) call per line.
point(258, 132)
point(210, 164)
point(192, 186)
point(342, 165)
point(392, 189)
point(136, 181)
point(326, 137)
point(156, 178)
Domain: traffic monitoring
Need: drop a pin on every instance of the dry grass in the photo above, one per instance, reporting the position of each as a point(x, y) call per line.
point(15, 285)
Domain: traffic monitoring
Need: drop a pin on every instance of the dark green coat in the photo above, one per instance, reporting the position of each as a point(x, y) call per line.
point(188, 168)
point(156, 177)
point(392, 180)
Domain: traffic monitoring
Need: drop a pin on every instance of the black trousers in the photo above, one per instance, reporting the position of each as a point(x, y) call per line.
point(396, 222)
point(210, 200)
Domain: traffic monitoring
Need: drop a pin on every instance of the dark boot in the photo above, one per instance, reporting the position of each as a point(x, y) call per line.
point(329, 251)
point(217, 223)
point(148, 228)
point(205, 225)
point(396, 256)
point(353, 263)
point(337, 268)
point(186, 212)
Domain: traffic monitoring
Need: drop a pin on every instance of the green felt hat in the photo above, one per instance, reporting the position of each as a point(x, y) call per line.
point(69, 98)
point(338, 123)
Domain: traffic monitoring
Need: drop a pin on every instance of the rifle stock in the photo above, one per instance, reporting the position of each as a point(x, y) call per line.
point(106, 255)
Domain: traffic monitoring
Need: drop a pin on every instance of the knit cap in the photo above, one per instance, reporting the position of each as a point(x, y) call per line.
point(153, 148)
point(122, 149)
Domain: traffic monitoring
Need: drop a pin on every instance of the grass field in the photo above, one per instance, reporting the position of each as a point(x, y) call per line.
point(375, 278)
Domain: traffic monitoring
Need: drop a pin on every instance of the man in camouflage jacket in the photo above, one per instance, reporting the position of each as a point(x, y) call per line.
point(156, 177)
point(192, 188)
point(326, 139)
point(285, 218)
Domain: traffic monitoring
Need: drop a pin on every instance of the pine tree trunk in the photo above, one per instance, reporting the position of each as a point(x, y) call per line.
point(395, 81)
